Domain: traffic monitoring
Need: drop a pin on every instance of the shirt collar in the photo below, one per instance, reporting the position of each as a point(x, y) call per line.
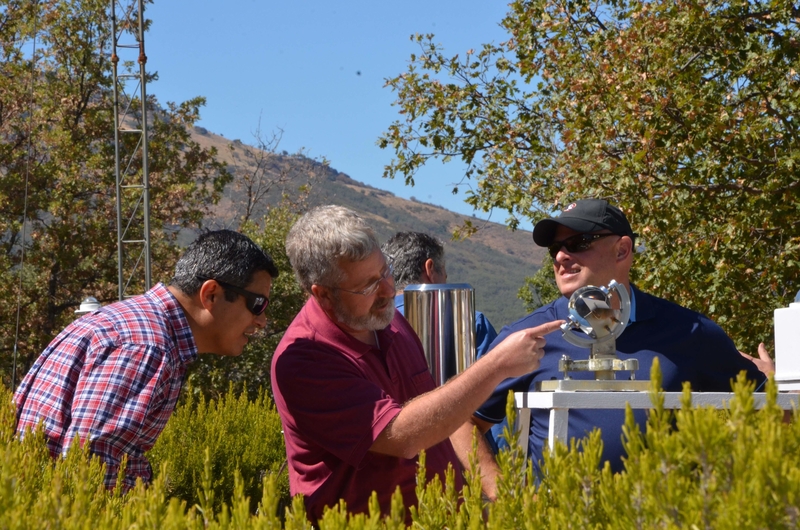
point(181, 331)
point(633, 306)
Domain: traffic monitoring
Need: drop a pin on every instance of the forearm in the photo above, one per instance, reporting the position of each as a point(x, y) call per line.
point(462, 443)
point(432, 417)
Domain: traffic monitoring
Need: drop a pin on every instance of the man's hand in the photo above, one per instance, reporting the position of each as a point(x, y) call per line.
point(521, 352)
point(767, 366)
point(764, 362)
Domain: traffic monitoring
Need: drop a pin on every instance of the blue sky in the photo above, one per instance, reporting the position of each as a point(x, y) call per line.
point(314, 69)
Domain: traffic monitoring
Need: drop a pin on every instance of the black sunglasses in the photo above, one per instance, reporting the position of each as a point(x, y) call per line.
point(256, 303)
point(576, 243)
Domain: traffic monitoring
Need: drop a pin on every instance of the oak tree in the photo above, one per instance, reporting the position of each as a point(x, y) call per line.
point(683, 113)
point(57, 180)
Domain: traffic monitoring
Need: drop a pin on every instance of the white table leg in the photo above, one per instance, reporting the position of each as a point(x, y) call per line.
point(559, 422)
point(523, 429)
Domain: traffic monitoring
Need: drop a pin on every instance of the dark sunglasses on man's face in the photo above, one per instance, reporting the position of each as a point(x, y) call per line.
point(576, 243)
point(256, 303)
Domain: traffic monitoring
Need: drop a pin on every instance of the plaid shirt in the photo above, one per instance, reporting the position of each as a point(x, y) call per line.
point(111, 378)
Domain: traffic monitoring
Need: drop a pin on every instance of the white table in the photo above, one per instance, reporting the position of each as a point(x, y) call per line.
point(560, 403)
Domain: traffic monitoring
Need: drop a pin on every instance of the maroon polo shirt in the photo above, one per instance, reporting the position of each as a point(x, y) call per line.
point(335, 395)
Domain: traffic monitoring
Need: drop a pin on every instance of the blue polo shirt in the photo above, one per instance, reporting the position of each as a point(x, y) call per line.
point(689, 346)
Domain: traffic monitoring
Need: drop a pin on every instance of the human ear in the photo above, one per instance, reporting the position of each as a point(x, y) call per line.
point(323, 296)
point(429, 270)
point(209, 294)
point(624, 248)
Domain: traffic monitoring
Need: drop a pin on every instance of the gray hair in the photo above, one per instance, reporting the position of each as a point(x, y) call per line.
point(322, 237)
point(410, 251)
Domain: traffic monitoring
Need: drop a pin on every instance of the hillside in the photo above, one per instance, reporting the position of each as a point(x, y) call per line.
point(495, 261)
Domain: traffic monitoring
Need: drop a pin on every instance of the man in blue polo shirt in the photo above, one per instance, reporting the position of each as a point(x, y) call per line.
point(592, 243)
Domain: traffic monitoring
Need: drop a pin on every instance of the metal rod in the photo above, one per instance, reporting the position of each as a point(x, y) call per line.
point(137, 218)
point(145, 166)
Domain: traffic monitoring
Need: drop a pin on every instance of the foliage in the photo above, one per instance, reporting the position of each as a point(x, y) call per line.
point(684, 113)
point(539, 289)
point(33, 490)
point(262, 176)
point(57, 184)
point(69, 493)
point(207, 447)
point(692, 468)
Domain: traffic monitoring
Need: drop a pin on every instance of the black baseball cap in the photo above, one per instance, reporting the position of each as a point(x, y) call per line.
point(585, 215)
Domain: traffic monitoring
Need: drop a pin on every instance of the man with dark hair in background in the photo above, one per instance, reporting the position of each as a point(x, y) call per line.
point(111, 379)
point(592, 243)
point(418, 258)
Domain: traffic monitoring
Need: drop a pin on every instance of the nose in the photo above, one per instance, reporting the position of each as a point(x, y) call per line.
point(562, 255)
point(261, 320)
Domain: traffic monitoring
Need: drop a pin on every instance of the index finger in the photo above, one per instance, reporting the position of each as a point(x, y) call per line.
point(544, 329)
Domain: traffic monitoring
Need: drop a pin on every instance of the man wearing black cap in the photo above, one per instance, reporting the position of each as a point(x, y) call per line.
point(592, 243)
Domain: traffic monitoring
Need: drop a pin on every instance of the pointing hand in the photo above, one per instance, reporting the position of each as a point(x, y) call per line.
point(522, 352)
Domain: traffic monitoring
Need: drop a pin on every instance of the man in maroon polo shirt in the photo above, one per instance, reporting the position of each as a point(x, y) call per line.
point(351, 383)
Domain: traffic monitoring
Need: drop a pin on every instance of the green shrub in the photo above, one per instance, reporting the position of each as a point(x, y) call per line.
point(226, 435)
point(34, 489)
point(692, 468)
point(68, 493)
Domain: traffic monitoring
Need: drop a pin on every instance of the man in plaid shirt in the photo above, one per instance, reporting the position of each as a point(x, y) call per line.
point(112, 378)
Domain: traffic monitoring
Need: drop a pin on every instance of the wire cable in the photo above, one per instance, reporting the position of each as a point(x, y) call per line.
point(25, 201)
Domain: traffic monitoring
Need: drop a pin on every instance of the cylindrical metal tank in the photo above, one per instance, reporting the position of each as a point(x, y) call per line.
point(443, 315)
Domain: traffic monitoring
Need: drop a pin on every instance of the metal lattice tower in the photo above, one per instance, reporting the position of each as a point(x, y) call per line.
point(130, 125)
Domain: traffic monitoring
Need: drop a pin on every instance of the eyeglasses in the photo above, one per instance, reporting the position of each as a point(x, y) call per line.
point(371, 288)
point(576, 243)
point(256, 303)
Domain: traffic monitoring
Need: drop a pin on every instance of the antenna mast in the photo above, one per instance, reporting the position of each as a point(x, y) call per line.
point(131, 164)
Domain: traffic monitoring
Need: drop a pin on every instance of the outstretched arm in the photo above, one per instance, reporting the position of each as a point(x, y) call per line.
point(432, 417)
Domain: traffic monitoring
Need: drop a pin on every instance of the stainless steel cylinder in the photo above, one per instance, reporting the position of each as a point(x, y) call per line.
point(443, 315)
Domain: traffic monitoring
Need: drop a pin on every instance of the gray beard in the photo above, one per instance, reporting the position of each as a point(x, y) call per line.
point(369, 322)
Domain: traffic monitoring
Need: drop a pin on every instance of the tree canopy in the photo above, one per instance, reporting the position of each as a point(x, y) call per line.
point(683, 113)
point(57, 179)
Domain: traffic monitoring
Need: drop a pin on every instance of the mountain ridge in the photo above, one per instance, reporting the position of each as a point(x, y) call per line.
point(495, 260)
